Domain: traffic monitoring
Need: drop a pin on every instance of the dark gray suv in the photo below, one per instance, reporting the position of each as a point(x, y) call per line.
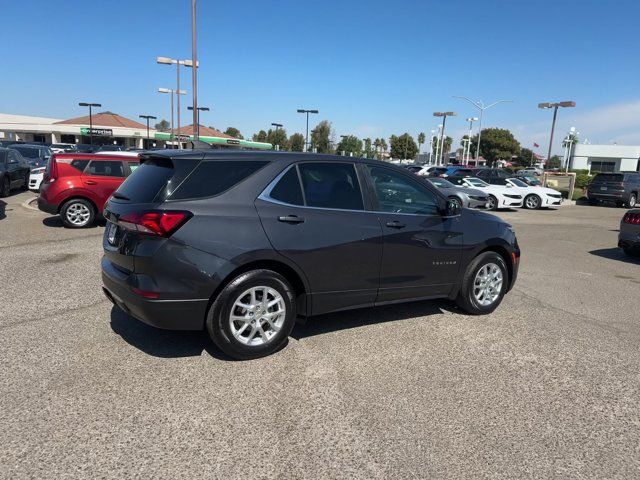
point(241, 243)
point(622, 188)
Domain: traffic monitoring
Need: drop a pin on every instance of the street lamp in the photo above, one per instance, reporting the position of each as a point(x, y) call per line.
point(147, 117)
point(433, 132)
point(199, 109)
point(306, 141)
point(90, 105)
point(194, 71)
point(468, 147)
point(177, 63)
point(172, 92)
point(569, 140)
point(277, 125)
point(482, 107)
point(444, 123)
point(555, 106)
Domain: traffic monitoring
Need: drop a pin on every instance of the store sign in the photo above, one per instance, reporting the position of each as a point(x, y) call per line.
point(101, 132)
point(182, 138)
point(233, 142)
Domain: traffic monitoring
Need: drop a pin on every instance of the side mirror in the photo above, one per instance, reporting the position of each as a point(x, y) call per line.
point(452, 209)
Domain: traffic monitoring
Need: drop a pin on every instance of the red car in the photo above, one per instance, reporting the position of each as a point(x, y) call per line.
point(76, 186)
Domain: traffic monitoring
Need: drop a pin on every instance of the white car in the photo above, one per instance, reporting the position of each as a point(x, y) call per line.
point(536, 197)
point(499, 196)
point(62, 147)
point(35, 178)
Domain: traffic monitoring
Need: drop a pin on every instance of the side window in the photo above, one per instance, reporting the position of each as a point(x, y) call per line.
point(105, 168)
point(499, 181)
point(288, 189)
point(133, 166)
point(79, 164)
point(13, 157)
point(331, 185)
point(484, 174)
point(398, 194)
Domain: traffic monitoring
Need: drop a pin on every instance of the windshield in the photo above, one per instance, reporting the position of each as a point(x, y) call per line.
point(476, 182)
point(441, 183)
point(518, 183)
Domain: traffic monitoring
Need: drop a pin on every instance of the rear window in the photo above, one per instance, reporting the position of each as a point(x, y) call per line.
point(331, 185)
point(214, 177)
point(609, 177)
point(147, 180)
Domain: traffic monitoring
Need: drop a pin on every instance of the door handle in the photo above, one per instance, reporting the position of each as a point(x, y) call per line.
point(90, 182)
point(396, 224)
point(290, 219)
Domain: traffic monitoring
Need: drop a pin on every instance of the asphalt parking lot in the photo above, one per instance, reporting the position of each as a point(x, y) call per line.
point(547, 386)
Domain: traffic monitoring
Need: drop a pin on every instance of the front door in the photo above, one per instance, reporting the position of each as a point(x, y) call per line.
point(421, 248)
point(324, 229)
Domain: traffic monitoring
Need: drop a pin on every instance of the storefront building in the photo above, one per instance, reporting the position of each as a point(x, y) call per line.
point(605, 158)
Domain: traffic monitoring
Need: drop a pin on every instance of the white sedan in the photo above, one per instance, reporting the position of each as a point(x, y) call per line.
point(499, 196)
point(35, 178)
point(536, 197)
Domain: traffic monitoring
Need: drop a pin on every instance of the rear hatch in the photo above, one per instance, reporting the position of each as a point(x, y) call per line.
point(143, 192)
point(608, 183)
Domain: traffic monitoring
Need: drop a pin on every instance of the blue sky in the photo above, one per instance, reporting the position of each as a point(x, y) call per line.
point(372, 68)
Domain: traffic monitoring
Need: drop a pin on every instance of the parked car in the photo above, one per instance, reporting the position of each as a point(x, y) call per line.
point(528, 179)
point(63, 147)
point(7, 143)
point(109, 148)
point(14, 171)
point(534, 197)
point(465, 197)
point(76, 186)
point(499, 196)
point(457, 171)
point(432, 171)
point(621, 188)
point(629, 236)
point(35, 178)
point(537, 171)
point(36, 155)
point(85, 148)
point(241, 243)
point(414, 167)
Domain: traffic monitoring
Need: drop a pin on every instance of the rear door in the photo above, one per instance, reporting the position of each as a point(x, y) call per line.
point(421, 248)
point(102, 178)
point(314, 214)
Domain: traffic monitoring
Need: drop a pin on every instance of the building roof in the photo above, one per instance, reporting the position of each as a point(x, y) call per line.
point(204, 132)
point(104, 120)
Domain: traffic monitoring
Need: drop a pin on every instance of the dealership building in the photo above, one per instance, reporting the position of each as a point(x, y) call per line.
point(605, 158)
point(108, 128)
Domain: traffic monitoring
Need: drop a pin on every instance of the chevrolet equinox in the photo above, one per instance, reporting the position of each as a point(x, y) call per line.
point(241, 243)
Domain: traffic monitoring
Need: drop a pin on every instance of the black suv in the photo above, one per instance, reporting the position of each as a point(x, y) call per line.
point(14, 171)
point(622, 188)
point(242, 243)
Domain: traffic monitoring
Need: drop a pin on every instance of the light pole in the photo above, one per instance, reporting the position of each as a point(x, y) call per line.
point(482, 107)
point(177, 63)
point(437, 143)
point(199, 109)
point(306, 141)
point(444, 123)
point(277, 125)
point(569, 141)
point(147, 118)
point(172, 92)
point(85, 104)
point(470, 120)
point(433, 132)
point(555, 106)
point(194, 71)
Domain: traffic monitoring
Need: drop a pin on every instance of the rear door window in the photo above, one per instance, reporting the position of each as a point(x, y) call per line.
point(105, 168)
point(331, 185)
point(213, 177)
point(80, 164)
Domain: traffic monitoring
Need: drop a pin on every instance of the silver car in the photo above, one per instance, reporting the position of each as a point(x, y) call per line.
point(629, 237)
point(465, 197)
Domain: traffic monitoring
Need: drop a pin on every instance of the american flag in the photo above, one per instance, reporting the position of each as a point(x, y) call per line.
point(535, 145)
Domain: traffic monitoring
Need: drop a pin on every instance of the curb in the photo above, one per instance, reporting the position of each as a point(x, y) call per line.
point(28, 204)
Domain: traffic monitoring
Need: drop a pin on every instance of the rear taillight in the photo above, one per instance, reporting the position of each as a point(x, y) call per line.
point(51, 172)
point(632, 218)
point(156, 222)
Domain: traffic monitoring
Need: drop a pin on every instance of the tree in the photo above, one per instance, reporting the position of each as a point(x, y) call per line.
point(261, 136)
point(497, 144)
point(403, 146)
point(278, 137)
point(368, 149)
point(162, 126)
point(350, 145)
point(526, 158)
point(381, 146)
point(554, 162)
point(321, 137)
point(234, 132)
point(421, 139)
point(296, 142)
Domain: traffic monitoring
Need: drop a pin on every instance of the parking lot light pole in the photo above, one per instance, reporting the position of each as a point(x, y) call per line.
point(468, 147)
point(194, 71)
point(277, 125)
point(306, 141)
point(444, 116)
point(172, 92)
point(482, 107)
point(199, 109)
point(90, 105)
point(177, 63)
point(555, 106)
point(147, 117)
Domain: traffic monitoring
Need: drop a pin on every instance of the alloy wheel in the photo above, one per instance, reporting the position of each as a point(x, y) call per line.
point(492, 203)
point(78, 214)
point(257, 316)
point(632, 200)
point(487, 284)
point(532, 202)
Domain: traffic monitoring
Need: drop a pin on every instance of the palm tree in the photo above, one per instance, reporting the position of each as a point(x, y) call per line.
point(421, 139)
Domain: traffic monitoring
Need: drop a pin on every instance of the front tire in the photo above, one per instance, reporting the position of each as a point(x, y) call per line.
point(484, 284)
point(492, 203)
point(78, 213)
point(532, 202)
point(633, 200)
point(253, 315)
point(457, 201)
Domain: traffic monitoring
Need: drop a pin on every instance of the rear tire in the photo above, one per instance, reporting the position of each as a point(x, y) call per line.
point(244, 323)
point(457, 201)
point(5, 188)
point(479, 293)
point(633, 199)
point(492, 203)
point(78, 213)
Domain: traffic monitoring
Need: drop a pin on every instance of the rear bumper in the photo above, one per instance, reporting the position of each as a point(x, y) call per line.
point(629, 240)
point(47, 207)
point(166, 314)
point(612, 196)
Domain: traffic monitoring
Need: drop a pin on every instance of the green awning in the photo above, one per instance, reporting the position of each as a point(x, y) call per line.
point(230, 142)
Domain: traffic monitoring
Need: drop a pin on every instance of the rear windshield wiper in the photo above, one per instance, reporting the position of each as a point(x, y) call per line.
point(120, 196)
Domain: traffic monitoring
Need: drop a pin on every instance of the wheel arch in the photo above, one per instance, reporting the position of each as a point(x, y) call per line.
point(78, 197)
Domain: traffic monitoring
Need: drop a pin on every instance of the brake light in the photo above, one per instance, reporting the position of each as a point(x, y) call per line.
point(52, 174)
point(632, 218)
point(157, 222)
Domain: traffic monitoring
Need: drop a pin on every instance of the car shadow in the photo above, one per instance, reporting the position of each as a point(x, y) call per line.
point(56, 222)
point(3, 206)
point(162, 343)
point(615, 254)
point(362, 317)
